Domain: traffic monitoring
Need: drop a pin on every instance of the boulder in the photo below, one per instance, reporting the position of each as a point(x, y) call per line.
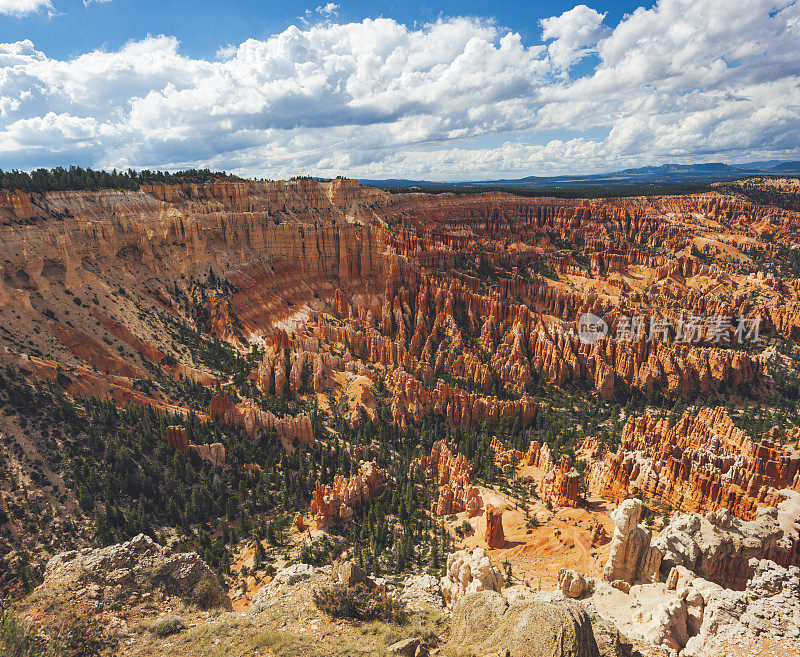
point(468, 572)
point(570, 583)
point(293, 574)
point(346, 573)
point(405, 647)
point(484, 624)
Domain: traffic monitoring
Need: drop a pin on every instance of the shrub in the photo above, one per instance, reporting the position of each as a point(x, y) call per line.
point(16, 638)
point(77, 636)
point(320, 553)
point(359, 603)
point(464, 529)
point(167, 625)
point(205, 593)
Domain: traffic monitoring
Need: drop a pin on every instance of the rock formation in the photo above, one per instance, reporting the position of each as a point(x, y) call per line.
point(494, 536)
point(335, 504)
point(176, 438)
point(560, 485)
point(703, 463)
point(768, 607)
point(214, 453)
point(458, 306)
point(599, 535)
point(292, 431)
point(571, 584)
point(718, 546)
point(411, 398)
point(290, 251)
point(468, 572)
point(502, 456)
point(456, 492)
point(631, 558)
point(114, 581)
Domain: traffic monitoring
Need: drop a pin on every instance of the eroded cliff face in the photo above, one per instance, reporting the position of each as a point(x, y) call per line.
point(453, 475)
point(335, 504)
point(460, 305)
point(392, 277)
point(703, 463)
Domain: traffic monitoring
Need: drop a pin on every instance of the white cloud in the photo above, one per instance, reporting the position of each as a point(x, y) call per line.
point(453, 99)
point(330, 9)
point(574, 34)
point(86, 3)
point(23, 7)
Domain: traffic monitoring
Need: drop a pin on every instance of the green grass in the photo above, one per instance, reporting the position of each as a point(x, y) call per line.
point(167, 625)
point(17, 639)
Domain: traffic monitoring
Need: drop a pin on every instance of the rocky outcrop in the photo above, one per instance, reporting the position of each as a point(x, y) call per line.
point(697, 618)
point(718, 547)
point(672, 623)
point(335, 504)
point(503, 456)
point(484, 624)
point(539, 456)
point(494, 536)
point(176, 438)
point(291, 431)
point(18, 203)
point(631, 558)
point(214, 453)
point(768, 607)
point(469, 572)
point(127, 574)
point(347, 574)
point(453, 472)
point(703, 463)
point(561, 484)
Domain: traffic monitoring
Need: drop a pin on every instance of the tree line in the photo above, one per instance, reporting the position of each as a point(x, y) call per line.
point(74, 178)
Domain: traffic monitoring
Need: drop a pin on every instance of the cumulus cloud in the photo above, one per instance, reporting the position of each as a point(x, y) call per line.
point(457, 98)
point(574, 34)
point(22, 7)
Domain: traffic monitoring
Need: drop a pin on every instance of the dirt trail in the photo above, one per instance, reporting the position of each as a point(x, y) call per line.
point(561, 539)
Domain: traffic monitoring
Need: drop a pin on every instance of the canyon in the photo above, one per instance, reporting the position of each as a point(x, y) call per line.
point(411, 371)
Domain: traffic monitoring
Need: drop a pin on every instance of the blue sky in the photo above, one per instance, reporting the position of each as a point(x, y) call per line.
point(446, 90)
point(72, 27)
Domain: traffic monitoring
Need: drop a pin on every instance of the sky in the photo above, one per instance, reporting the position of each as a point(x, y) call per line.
point(468, 90)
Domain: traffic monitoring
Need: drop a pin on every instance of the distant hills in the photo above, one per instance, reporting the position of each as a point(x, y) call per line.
point(709, 172)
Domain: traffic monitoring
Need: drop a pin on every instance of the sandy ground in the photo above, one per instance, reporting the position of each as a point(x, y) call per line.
point(562, 538)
